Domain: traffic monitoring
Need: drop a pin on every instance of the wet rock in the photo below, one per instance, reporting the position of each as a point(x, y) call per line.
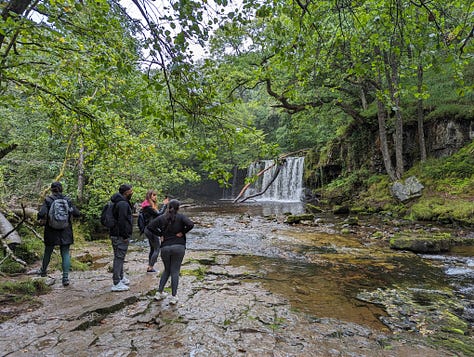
point(220, 314)
point(429, 312)
point(294, 219)
point(312, 208)
point(421, 243)
point(341, 210)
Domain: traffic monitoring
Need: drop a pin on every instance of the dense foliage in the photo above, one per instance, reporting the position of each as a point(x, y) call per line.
point(96, 93)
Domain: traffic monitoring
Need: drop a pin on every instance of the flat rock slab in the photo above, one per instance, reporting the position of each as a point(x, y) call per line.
point(219, 314)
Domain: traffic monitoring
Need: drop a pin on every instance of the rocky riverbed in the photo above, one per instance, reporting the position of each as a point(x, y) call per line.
point(221, 312)
point(252, 286)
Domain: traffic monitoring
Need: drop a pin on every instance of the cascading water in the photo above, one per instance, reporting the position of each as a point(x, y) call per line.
point(288, 185)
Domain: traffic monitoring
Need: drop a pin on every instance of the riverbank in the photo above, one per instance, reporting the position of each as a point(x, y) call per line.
point(222, 312)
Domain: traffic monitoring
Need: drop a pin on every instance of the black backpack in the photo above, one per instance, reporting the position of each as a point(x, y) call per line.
point(142, 222)
point(107, 217)
point(58, 214)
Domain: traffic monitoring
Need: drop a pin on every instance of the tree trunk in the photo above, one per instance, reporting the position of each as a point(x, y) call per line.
point(382, 121)
point(80, 175)
point(381, 116)
point(7, 232)
point(391, 73)
point(420, 115)
point(363, 98)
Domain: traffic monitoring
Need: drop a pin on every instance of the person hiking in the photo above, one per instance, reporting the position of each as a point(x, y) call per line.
point(172, 227)
point(120, 234)
point(57, 228)
point(150, 210)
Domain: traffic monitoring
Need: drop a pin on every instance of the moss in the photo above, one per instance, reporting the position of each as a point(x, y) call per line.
point(448, 196)
point(377, 235)
point(377, 194)
point(443, 210)
point(199, 273)
point(459, 344)
point(312, 208)
point(24, 289)
point(294, 219)
point(421, 242)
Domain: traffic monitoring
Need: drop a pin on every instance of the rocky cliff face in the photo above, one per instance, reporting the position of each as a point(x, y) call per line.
point(360, 149)
point(445, 137)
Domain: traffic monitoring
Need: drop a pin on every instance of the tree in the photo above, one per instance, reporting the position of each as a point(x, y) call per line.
point(313, 55)
point(74, 79)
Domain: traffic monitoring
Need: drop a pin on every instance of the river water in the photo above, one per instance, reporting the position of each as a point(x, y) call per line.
point(321, 268)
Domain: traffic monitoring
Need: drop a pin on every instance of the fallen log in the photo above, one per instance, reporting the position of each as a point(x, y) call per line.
point(7, 232)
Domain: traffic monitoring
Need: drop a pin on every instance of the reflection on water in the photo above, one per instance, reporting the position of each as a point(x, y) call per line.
point(315, 290)
point(251, 208)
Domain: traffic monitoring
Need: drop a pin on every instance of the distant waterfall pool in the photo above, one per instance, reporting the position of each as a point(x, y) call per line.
point(286, 187)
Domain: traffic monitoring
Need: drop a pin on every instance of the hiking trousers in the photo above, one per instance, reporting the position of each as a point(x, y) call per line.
point(120, 247)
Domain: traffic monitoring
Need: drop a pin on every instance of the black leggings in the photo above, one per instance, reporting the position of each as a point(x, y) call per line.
point(154, 241)
point(172, 257)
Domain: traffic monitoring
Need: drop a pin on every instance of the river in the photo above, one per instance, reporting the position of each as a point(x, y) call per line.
point(319, 269)
point(253, 285)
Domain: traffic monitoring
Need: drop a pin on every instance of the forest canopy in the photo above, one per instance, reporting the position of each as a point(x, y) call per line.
point(96, 93)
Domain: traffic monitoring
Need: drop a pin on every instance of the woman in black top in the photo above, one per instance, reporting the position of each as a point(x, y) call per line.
point(172, 227)
point(150, 210)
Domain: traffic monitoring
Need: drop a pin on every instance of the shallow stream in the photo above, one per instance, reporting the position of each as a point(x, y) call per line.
point(320, 270)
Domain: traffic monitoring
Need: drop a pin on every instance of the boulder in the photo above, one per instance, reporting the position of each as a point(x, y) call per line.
point(408, 190)
point(421, 243)
point(293, 219)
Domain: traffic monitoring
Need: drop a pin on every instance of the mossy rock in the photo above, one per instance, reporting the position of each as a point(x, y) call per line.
point(312, 208)
point(421, 243)
point(341, 210)
point(294, 219)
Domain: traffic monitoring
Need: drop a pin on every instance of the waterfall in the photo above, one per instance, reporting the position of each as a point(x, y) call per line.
point(288, 186)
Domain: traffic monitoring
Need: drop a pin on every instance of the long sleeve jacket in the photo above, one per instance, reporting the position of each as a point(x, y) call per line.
point(123, 215)
point(168, 230)
point(57, 236)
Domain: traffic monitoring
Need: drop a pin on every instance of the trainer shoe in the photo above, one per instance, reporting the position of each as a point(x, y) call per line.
point(174, 300)
point(120, 287)
point(65, 282)
point(160, 296)
point(125, 281)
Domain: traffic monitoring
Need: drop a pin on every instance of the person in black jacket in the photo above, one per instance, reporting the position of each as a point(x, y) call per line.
point(52, 237)
point(172, 227)
point(150, 211)
point(120, 234)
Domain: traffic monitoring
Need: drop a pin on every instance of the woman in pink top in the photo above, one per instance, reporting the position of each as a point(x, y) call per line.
point(150, 210)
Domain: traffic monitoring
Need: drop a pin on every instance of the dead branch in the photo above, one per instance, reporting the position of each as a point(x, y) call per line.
point(260, 173)
point(277, 171)
point(280, 161)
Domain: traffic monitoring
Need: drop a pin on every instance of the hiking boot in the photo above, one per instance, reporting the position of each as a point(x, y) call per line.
point(42, 273)
point(125, 281)
point(65, 282)
point(120, 287)
point(160, 296)
point(174, 300)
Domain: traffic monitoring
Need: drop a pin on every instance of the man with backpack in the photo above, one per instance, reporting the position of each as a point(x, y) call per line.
point(120, 234)
point(56, 213)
